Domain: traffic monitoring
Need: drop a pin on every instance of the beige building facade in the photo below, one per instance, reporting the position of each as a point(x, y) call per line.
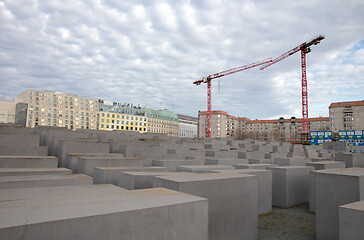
point(225, 125)
point(346, 116)
point(222, 124)
point(7, 111)
point(162, 121)
point(50, 108)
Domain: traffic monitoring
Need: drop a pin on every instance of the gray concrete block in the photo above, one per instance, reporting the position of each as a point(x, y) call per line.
point(19, 140)
point(202, 168)
point(110, 175)
point(227, 162)
point(294, 161)
point(319, 166)
point(264, 186)
point(334, 188)
point(31, 181)
point(351, 159)
point(155, 214)
point(66, 146)
point(86, 165)
point(262, 166)
point(172, 164)
point(57, 191)
point(28, 162)
point(72, 158)
point(33, 171)
point(233, 201)
point(291, 185)
point(326, 165)
point(142, 180)
point(23, 150)
point(351, 219)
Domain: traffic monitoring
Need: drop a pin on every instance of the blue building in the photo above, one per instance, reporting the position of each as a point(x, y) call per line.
point(352, 137)
point(319, 137)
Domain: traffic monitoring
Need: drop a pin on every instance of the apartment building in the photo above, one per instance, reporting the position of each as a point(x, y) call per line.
point(282, 129)
point(162, 121)
point(50, 108)
point(7, 112)
point(225, 125)
point(346, 116)
point(222, 124)
point(116, 121)
point(118, 116)
point(187, 126)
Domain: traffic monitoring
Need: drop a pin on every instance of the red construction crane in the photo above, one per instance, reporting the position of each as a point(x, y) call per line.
point(304, 48)
point(221, 74)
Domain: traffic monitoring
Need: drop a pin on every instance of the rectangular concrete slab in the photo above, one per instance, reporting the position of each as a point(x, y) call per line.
point(141, 180)
point(294, 161)
point(43, 181)
point(334, 188)
point(226, 162)
point(28, 162)
point(351, 159)
point(33, 171)
point(262, 166)
point(351, 219)
point(105, 175)
point(202, 168)
point(86, 165)
point(320, 166)
point(57, 191)
point(264, 186)
point(67, 146)
point(19, 139)
point(155, 214)
point(326, 165)
point(172, 164)
point(233, 201)
point(23, 150)
point(291, 185)
point(72, 158)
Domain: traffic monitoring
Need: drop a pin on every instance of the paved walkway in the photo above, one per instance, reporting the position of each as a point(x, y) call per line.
point(293, 224)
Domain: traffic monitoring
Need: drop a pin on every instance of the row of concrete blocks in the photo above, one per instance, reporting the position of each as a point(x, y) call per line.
point(293, 178)
point(223, 206)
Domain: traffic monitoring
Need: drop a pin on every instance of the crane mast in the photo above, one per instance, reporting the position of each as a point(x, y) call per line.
point(304, 48)
point(221, 74)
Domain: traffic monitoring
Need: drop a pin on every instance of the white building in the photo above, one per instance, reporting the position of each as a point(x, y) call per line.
point(187, 126)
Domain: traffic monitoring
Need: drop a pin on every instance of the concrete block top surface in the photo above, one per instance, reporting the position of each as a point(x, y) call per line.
point(256, 165)
point(356, 172)
point(202, 177)
point(324, 163)
point(158, 173)
point(291, 167)
point(355, 206)
point(94, 154)
point(245, 171)
point(27, 157)
point(41, 177)
point(132, 169)
point(48, 209)
point(107, 157)
point(40, 192)
point(20, 170)
point(202, 167)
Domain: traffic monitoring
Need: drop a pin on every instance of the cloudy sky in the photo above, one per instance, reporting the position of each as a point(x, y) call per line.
point(149, 52)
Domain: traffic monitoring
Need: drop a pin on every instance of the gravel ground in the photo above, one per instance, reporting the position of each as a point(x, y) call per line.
point(293, 224)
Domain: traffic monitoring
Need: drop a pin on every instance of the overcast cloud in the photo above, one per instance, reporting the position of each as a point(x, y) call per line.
point(150, 52)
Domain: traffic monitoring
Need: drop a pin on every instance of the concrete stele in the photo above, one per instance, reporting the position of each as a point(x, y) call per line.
point(233, 201)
